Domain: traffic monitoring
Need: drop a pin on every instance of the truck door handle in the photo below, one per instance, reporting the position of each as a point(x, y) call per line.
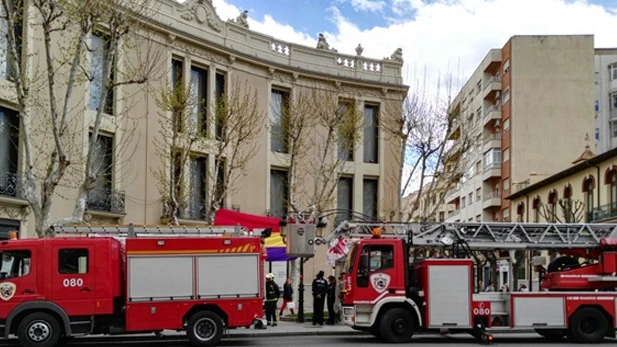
point(86, 289)
point(27, 291)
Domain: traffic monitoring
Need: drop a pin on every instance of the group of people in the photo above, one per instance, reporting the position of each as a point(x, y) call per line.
point(321, 289)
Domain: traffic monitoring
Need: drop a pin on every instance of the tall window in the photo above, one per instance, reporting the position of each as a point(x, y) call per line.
point(177, 78)
point(492, 159)
point(346, 134)
point(197, 195)
point(99, 44)
point(6, 66)
point(99, 197)
point(199, 98)
point(220, 182)
point(552, 201)
point(219, 90)
point(344, 199)
point(612, 188)
point(588, 187)
point(279, 193)
point(536, 210)
point(9, 151)
point(370, 196)
point(371, 134)
point(279, 121)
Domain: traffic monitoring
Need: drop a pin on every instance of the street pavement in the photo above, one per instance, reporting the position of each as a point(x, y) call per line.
point(357, 340)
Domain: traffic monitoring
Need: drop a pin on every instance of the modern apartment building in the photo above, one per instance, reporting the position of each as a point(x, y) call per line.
point(208, 51)
point(525, 110)
point(606, 99)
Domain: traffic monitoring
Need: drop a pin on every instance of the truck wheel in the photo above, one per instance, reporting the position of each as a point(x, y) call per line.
point(205, 328)
point(396, 326)
point(588, 325)
point(552, 334)
point(39, 330)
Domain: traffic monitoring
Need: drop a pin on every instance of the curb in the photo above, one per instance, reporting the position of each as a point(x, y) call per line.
point(298, 333)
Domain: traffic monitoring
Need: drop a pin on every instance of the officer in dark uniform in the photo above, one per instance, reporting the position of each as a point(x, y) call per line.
point(331, 299)
point(320, 288)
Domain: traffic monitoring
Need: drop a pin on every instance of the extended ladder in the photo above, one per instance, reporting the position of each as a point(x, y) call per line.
point(156, 231)
point(485, 236)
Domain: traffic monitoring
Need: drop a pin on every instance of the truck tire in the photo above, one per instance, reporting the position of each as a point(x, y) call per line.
point(552, 334)
point(396, 326)
point(588, 325)
point(39, 329)
point(205, 328)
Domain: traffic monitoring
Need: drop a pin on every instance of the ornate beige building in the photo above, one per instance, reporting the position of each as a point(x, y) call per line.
point(208, 50)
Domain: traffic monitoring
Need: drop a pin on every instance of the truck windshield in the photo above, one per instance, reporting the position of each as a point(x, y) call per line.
point(351, 259)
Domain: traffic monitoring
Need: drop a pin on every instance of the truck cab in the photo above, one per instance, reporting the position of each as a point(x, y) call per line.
point(69, 279)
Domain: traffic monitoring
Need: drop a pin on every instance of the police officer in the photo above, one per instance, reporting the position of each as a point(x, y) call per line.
point(272, 297)
point(320, 288)
point(331, 300)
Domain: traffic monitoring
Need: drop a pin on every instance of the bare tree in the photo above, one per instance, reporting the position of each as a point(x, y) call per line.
point(46, 81)
point(421, 132)
point(565, 211)
point(237, 122)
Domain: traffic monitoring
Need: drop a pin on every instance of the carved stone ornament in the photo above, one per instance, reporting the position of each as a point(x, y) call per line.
point(271, 70)
point(87, 217)
point(323, 44)
point(231, 59)
point(241, 20)
point(337, 84)
point(202, 11)
point(397, 55)
point(11, 212)
point(295, 76)
point(359, 49)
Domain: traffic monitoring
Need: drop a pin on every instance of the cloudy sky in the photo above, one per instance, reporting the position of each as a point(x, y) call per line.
point(443, 36)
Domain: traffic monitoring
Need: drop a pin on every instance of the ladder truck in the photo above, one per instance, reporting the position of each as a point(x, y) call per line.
point(392, 295)
point(131, 279)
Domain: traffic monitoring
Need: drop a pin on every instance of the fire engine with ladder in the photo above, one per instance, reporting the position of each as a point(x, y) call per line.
point(392, 295)
point(131, 279)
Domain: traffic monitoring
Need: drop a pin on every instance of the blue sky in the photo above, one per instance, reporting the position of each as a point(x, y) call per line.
point(312, 16)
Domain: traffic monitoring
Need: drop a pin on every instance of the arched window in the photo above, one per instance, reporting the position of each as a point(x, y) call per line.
point(536, 209)
point(552, 202)
point(520, 212)
point(567, 192)
point(611, 181)
point(589, 185)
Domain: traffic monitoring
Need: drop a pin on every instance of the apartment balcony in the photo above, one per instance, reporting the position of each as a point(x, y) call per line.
point(492, 61)
point(453, 153)
point(492, 199)
point(491, 170)
point(493, 85)
point(492, 141)
point(455, 131)
point(454, 213)
point(106, 200)
point(491, 114)
point(454, 194)
point(10, 185)
point(604, 213)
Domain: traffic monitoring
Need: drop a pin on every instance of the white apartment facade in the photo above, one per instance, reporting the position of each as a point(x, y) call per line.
point(605, 89)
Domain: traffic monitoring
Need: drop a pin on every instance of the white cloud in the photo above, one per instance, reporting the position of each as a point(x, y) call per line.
point(365, 5)
point(449, 35)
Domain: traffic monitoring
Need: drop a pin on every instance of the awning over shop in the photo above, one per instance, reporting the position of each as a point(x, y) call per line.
point(274, 244)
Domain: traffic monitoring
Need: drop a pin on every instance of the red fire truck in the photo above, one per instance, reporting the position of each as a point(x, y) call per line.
point(131, 279)
point(393, 295)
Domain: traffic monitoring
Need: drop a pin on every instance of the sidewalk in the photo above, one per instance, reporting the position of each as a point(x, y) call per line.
point(282, 329)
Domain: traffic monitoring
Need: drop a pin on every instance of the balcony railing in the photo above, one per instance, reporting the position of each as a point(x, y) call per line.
point(521, 185)
point(491, 80)
point(492, 108)
point(492, 137)
point(493, 165)
point(492, 195)
point(602, 212)
point(106, 201)
point(10, 185)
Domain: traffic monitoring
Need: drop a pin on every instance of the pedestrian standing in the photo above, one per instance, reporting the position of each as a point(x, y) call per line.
point(320, 288)
point(331, 298)
point(272, 297)
point(287, 297)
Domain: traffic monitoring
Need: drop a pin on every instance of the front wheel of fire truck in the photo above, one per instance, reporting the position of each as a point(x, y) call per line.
point(205, 328)
point(588, 325)
point(396, 326)
point(39, 330)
